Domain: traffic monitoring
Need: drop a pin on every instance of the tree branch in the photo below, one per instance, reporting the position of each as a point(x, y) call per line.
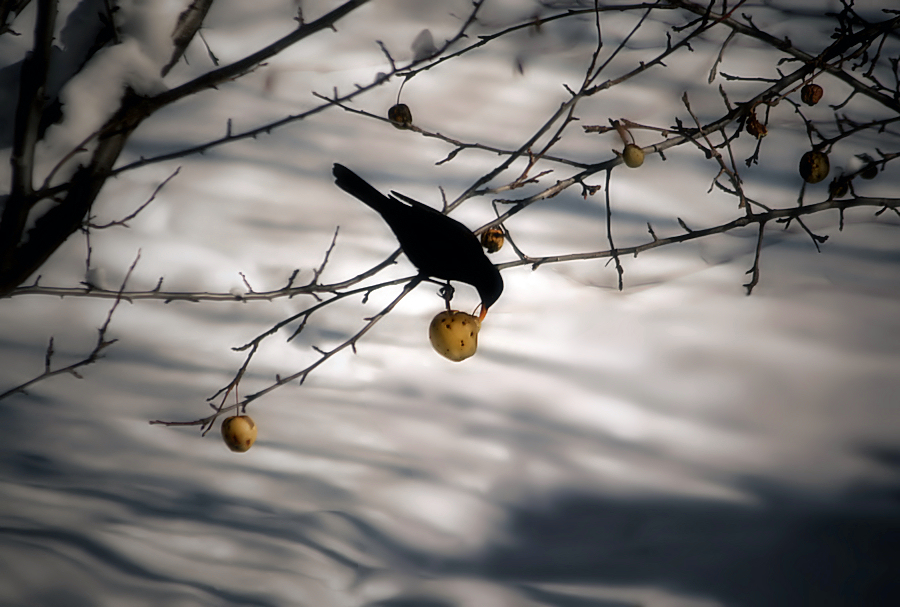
point(740, 222)
point(95, 354)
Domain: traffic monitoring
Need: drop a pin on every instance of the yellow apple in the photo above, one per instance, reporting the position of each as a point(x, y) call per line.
point(454, 334)
point(239, 432)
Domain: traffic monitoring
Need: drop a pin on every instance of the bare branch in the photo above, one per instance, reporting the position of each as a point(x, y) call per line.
point(301, 375)
point(189, 22)
point(740, 222)
point(92, 357)
point(754, 271)
point(124, 221)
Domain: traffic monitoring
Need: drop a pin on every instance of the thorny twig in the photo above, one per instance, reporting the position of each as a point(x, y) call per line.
point(206, 423)
point(92, 357)
point(124, 221)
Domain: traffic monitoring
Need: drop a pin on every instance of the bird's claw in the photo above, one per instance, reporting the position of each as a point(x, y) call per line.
point(447, 292)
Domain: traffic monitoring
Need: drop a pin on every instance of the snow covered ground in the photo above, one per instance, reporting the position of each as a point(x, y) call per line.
point(676, 443)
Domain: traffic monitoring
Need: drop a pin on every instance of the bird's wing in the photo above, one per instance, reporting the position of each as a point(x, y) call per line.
point(415, 203)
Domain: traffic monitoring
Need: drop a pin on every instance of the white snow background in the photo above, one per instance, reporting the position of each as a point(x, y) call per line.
point(676, 443)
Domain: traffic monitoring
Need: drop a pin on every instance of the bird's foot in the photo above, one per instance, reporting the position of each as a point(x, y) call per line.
point(447, 292)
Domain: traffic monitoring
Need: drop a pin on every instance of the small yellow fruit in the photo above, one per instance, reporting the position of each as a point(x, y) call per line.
point(492, 240)
point(633, 156)
point(239, 432)
point(400, 115)
point(454, 334)
point(814, 166)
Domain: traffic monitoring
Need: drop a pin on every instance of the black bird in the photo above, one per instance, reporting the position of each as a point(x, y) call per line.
point(438, 245)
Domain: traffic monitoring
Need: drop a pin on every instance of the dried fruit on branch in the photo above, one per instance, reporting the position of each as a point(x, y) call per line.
point(492, 240)
point(814, 166)
point(400, 115)
point(839, 187)
point(755, 127)
point(811, 93)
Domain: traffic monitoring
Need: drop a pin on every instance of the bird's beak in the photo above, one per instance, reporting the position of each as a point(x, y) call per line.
point(483, 313)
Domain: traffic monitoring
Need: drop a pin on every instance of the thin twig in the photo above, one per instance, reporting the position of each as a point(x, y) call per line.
point(206, 422)
point(124, 221)
point(92, 357)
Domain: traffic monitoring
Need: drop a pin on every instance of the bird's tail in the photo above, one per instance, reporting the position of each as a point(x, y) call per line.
point(356, 186)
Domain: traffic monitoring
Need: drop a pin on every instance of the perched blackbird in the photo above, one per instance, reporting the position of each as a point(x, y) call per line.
point(439, 246)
